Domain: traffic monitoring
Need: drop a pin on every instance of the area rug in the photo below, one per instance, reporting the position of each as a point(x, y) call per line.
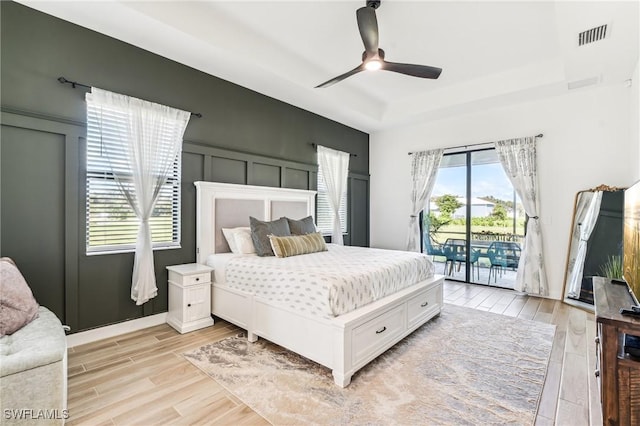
point(464, 367)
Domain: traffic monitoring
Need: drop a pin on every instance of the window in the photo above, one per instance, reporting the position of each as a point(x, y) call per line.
point(112, 225)
point(324, 216)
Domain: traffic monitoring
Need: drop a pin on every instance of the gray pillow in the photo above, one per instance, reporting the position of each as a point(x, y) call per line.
point(302, 227)
point(261, 230)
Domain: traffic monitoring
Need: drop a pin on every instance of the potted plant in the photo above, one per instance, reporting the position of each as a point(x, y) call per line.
point(612, 268)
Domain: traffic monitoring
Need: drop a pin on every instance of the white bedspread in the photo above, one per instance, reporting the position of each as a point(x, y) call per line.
point(328, 283)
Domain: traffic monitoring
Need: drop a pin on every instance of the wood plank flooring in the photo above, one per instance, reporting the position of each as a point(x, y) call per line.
point(140, 378)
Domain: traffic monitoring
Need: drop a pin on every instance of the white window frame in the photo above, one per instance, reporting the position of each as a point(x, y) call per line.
point(324, 213)
point(100, 182)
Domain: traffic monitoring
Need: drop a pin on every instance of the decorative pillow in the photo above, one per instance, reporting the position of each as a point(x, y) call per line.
point(244, 243)
point(297, 244)
point(261, 230)
point(302, 226)
point(229, 236)
point(239, 239)
point(18, 307)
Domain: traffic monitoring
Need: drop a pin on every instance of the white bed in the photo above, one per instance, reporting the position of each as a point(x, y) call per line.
point(343, 343)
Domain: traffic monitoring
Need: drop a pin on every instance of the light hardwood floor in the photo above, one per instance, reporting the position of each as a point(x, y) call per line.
point(141, 377)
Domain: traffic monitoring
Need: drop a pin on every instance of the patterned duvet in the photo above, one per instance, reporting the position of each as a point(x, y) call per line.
point(328, 283)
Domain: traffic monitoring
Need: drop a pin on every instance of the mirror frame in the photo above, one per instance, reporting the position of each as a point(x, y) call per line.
point(565, 299)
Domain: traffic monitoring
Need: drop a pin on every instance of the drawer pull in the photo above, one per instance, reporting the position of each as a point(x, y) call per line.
point(424, 304)
point(597, 373)
point(382, 330)
point(197, 278)
point(188, 305)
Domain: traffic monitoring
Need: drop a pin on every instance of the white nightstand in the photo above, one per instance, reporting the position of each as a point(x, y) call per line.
point(189, 297)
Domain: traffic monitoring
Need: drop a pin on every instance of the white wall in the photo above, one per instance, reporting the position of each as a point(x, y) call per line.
point(634, 126)
point(586, 143)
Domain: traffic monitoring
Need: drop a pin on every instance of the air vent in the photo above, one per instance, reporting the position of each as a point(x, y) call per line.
point(592, 35)
point(583, 83)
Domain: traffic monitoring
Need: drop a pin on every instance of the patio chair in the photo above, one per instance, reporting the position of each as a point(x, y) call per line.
point(432, 248)
point(456, 252)
point(502, 254)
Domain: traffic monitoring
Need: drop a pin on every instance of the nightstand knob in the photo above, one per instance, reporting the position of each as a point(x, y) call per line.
point(197, 278)
point(188, 305)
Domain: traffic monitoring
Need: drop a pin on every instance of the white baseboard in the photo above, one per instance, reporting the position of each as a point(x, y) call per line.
point(105, 332)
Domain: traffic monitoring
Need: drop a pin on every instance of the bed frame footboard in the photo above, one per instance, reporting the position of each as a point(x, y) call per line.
point(343, 344)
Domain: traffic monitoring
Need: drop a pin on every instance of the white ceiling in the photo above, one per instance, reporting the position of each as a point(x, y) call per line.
point(492, 53)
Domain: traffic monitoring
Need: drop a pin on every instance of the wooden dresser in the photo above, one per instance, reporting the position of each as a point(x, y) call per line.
point(618, 374)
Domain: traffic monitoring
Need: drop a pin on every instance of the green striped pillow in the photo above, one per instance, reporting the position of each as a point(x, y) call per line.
point(297, 244)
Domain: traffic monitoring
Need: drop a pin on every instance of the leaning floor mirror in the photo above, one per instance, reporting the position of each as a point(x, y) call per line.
point(595, 243)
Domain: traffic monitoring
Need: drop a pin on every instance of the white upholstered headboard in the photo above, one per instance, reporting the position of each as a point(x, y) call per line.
point(225, 205)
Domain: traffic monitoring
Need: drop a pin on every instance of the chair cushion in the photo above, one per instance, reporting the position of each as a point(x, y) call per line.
point(18, 307)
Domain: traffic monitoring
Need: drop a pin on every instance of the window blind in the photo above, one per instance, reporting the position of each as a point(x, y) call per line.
point(111, 223)
point(324, 213)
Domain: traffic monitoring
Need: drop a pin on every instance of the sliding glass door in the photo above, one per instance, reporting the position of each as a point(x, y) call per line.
point(474, 223)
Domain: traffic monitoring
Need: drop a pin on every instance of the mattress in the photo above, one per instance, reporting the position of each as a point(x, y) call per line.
point(325, 284)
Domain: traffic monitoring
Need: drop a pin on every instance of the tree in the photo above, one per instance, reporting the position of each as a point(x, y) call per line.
point(447, 205)
point(499, 212)
point(433, 224)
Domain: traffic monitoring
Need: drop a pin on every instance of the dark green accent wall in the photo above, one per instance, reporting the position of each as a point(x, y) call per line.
point(244, 137)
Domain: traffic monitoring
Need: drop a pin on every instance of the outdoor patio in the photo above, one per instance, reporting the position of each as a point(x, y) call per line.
point(503, 279)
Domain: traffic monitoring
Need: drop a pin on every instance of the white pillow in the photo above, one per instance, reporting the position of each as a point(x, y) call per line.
point(239, 240)
point(243, 241)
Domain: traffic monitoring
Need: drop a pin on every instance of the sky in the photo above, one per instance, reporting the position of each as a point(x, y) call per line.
point(487, 178)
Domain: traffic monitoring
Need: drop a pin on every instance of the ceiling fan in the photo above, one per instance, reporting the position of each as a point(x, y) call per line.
point(373, 57)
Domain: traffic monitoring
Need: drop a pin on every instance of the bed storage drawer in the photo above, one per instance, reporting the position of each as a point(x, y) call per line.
point(422, 305)
point(369, 337)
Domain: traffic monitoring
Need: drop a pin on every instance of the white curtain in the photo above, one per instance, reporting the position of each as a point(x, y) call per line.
point(518, 158)
point(335, 171)
point(587, 212)
point(146, 143)
point(424, 169)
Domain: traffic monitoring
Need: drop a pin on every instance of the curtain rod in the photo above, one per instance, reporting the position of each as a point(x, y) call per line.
point(316, 145)
point(477, 144)
point(74, 84)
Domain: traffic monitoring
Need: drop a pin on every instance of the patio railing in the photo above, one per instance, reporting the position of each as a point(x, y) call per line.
point(495, 236)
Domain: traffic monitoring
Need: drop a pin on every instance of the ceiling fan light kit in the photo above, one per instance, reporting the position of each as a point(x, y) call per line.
point(373, 56)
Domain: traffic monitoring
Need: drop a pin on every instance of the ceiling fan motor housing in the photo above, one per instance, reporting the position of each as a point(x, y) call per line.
point(380, 55)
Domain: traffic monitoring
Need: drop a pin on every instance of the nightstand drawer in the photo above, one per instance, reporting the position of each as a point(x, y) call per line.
point(197, 279)
point(192, 279)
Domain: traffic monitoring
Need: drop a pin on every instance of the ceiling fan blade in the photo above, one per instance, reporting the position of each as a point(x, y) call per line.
point(341, 77)
point(423, 71)
point(368, 26)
